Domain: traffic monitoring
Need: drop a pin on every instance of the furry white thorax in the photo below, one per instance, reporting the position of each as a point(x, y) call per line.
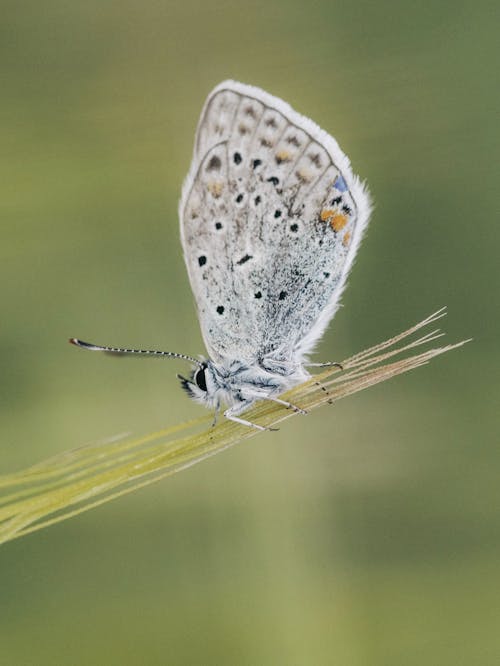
point(238, 385)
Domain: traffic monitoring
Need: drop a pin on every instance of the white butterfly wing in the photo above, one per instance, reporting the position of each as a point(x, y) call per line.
point(271, 218)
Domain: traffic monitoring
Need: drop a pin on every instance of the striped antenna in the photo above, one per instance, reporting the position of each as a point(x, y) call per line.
point(143, 352)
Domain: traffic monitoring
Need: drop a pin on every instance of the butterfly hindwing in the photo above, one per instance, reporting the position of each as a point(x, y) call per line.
point(271, 218)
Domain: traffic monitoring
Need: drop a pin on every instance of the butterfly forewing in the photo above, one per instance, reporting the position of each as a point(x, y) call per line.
point(271, 217)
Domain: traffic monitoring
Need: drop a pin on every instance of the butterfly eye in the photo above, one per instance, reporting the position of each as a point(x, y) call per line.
point(199, 378)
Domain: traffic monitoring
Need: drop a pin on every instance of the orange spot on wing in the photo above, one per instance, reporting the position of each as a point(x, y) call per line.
point(326, 214)
point(283, 156)
point(347, 238)
point(304, 175)
point(215, 188)
point(336, 220)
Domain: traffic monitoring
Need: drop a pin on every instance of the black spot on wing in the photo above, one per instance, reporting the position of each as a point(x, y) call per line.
point(214, 164)
point(315, 159)
point(244, 259)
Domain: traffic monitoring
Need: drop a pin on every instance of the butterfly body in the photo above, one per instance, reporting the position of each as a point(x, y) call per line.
point(239, 385)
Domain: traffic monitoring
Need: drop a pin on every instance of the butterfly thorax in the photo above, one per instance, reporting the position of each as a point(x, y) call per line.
point(234, 382)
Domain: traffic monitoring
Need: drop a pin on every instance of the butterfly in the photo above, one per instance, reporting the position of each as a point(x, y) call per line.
point(271, 218)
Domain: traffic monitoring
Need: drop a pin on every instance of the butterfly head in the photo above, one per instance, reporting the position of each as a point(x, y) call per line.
point(203, 384)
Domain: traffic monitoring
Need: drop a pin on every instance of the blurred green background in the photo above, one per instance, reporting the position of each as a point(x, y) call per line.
point(366, 534)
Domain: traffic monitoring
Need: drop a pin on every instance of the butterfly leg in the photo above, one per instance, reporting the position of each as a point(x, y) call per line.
point(263, 395)
point(288, 405)
point(328, 364)
point(216, 414)
point(231, 415)
point(330, 402)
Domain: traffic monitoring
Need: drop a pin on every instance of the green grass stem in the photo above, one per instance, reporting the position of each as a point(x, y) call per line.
point(88, 476)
